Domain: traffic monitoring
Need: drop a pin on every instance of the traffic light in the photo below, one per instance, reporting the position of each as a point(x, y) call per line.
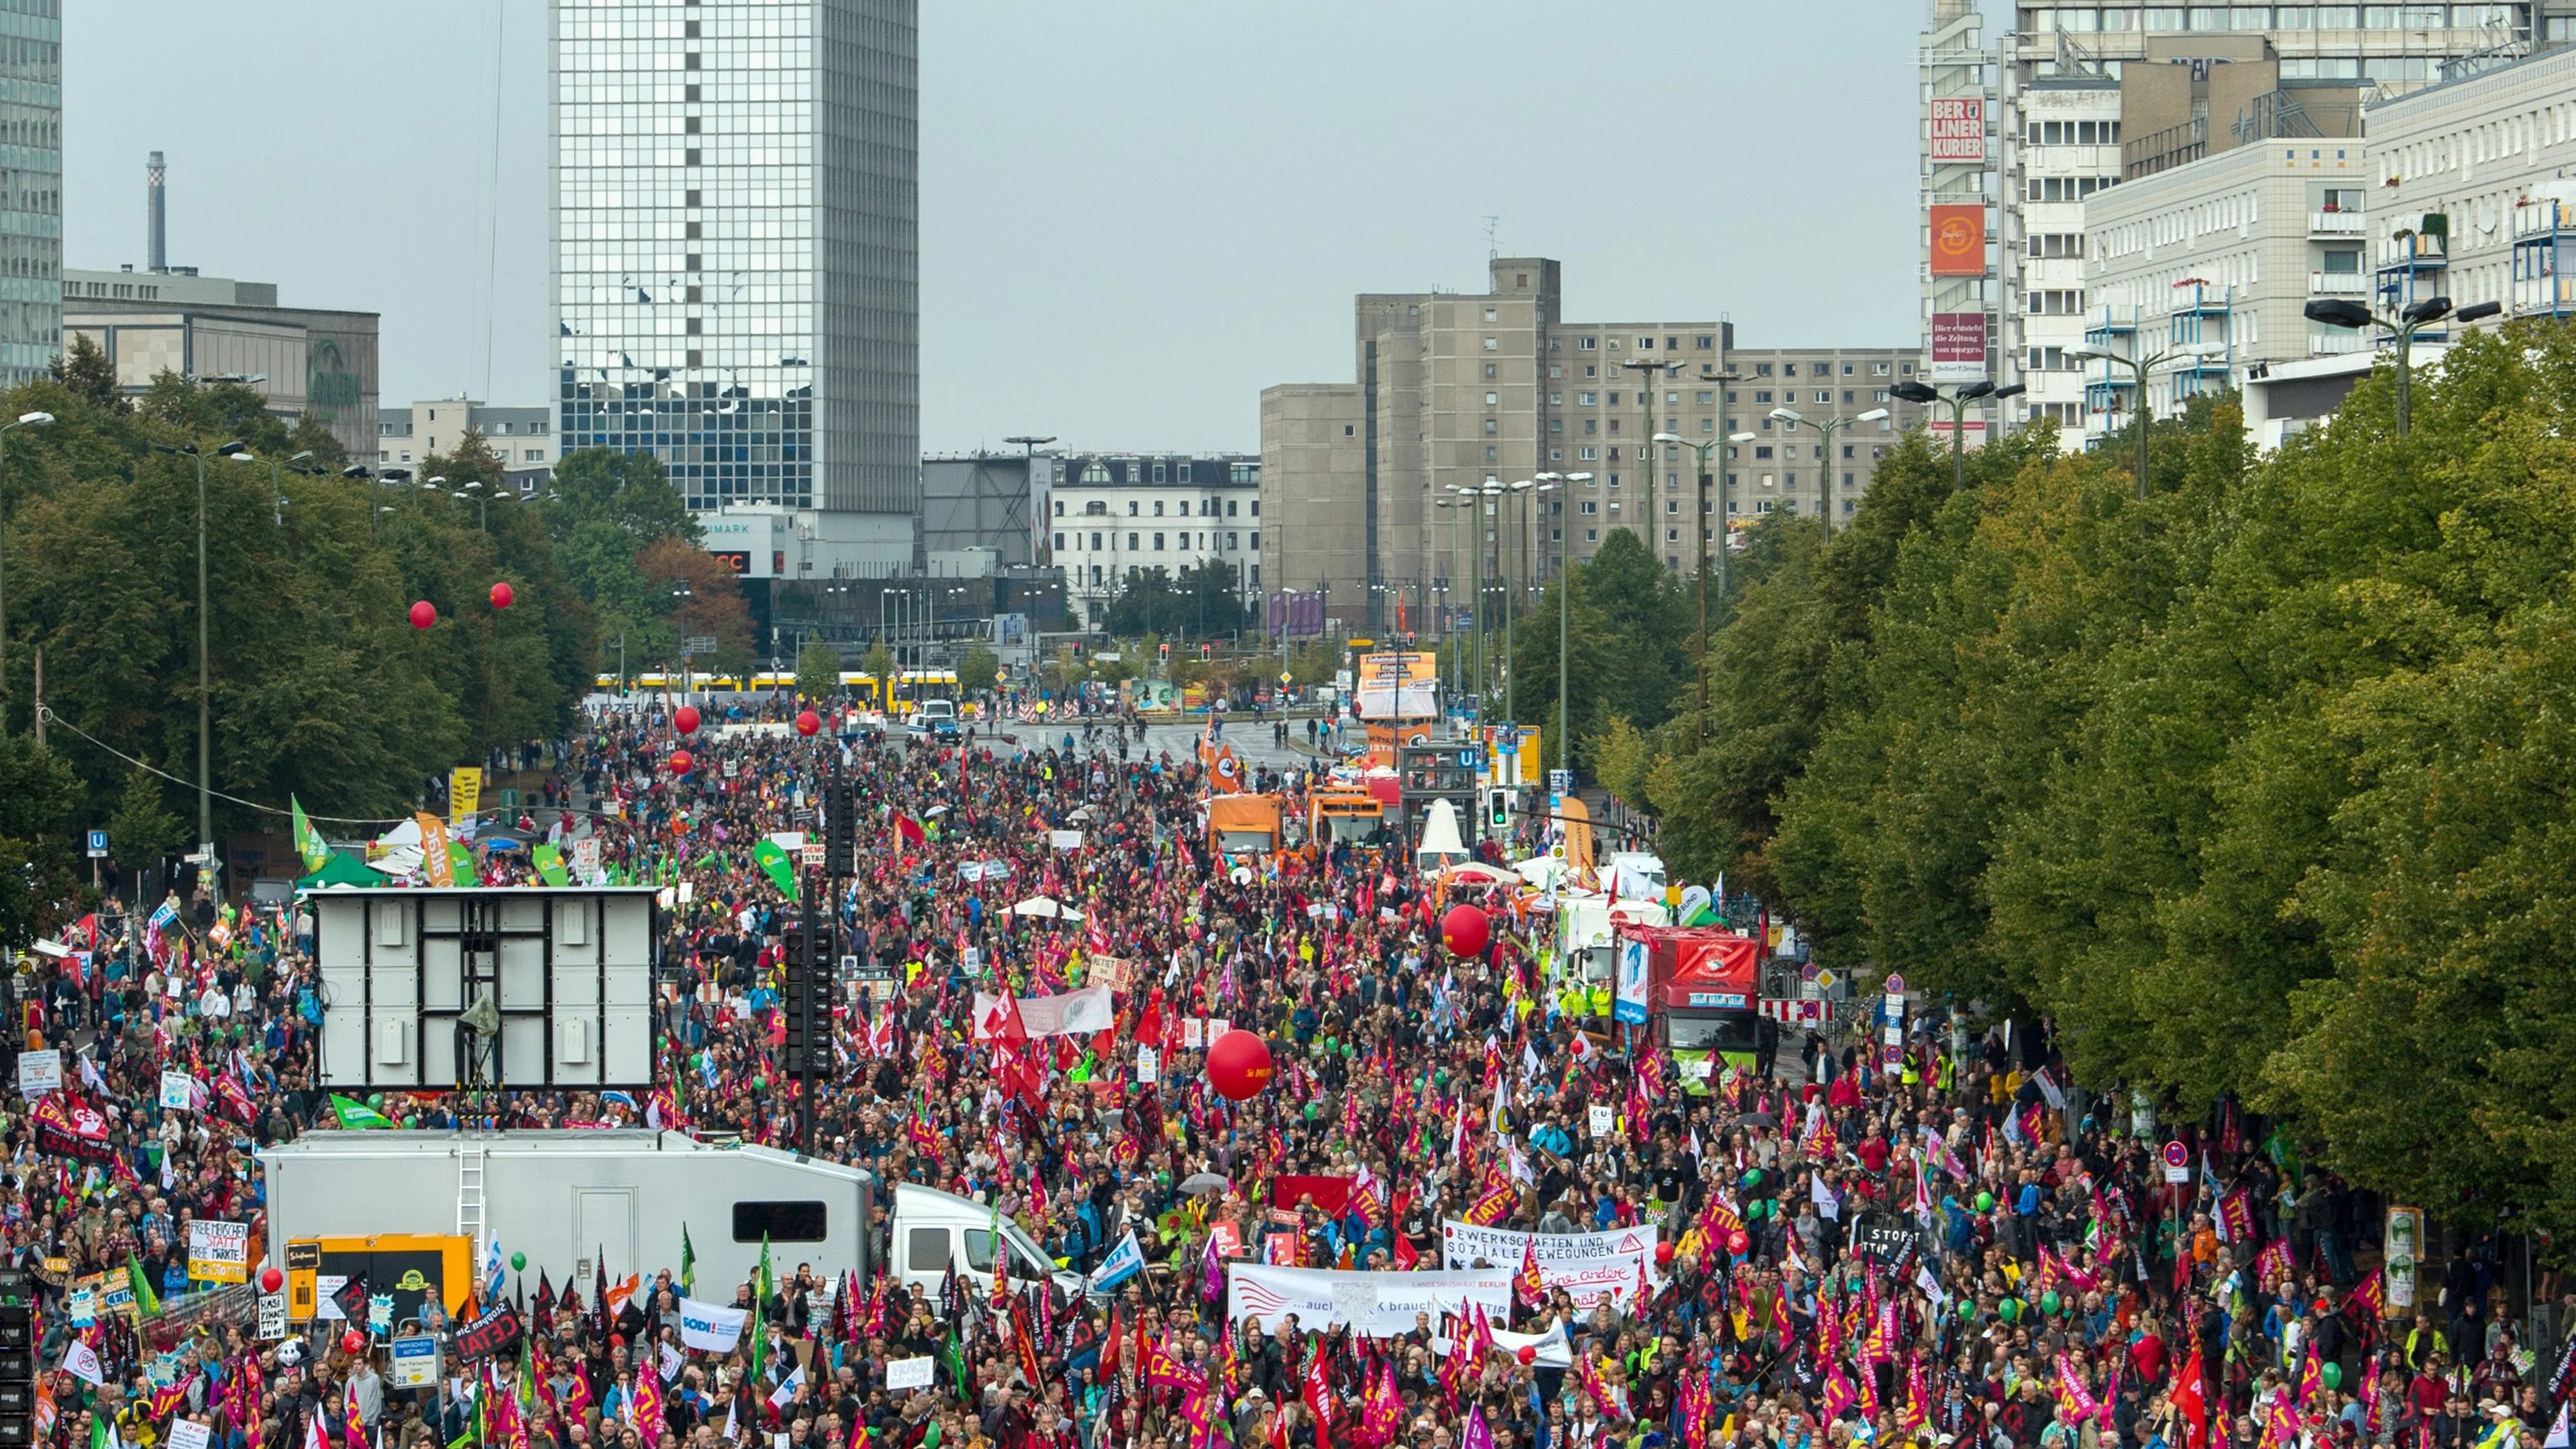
point(1498, 809)
point(1207, 651)
point(17, 1376)
point(1166, 649)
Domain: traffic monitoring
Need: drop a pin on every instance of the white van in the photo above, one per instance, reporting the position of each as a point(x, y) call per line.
point(935, 1230)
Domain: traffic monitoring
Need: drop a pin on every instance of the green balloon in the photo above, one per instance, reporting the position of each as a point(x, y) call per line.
point(2010, 1308)
point(2049, 1302)
point(518, 1262)
point(1967, 1311)
point(377, 1101)
point(1985, 1202)
point(1753, 1178)
point(2333, 1374)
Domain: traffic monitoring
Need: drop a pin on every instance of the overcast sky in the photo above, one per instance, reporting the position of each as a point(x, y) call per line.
point(1135, 214)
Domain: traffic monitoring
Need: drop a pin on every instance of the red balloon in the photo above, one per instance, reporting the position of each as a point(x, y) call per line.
point(1465, 931)
point(680, 762)
point(423, 614)
point(685, 719)
point(1663, 1254)
point(503, 596)
point(1527, 1354)
point(807, 722)
point(1239, 1065)
point(1736, 1242)
point(270, 1280)
point(353, 1340)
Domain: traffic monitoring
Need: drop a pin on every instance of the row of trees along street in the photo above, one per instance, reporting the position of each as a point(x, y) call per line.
point(320, 687)
point(2256, 785)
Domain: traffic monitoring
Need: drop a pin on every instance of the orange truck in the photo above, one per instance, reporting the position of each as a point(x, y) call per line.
point(1244, 824)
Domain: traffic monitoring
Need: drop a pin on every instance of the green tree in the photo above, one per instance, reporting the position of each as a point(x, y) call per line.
point(601, 510)
point(39, 796)
point(879, 664)
point(1629, 628)
point(1621, 758)
point(978, 671)
point(84, 370)
point(818, 671)
point(142, 830)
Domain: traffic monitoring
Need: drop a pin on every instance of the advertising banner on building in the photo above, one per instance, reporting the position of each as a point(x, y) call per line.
point(1959, 240)
point(1958, 131)
point(1958, 346)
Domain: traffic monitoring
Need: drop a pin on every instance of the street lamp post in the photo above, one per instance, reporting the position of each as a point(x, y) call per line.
point(1705, 525)
point(1825, 450)
point(1533, 487)
point(2344, 312)
point(25, 420)
point(2139, 368)
point(205, 729)
point(1958, 400)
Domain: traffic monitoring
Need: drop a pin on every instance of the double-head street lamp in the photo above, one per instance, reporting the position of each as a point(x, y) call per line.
point(1825, 450)
point(1982, 390)
point(2404, 324)
point(1705, 525)
point(25, 420)
point(205, 731)
point(2139, 368)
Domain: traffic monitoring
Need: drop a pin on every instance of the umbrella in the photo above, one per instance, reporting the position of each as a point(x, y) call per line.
point(343, 869)
point(1046, 907)
point(1207, 1182)
point(1757, 1119)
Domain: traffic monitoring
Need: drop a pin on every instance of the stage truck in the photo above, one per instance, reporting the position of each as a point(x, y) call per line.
point(1698, 989)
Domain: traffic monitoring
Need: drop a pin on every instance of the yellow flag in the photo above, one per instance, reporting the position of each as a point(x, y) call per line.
point(433, 850)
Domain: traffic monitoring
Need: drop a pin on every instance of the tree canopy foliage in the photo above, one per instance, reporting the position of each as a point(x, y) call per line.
point(2256, 787)
point(320, 688)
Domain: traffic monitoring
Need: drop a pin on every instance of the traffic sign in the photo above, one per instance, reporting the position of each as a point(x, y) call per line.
point(1895, 984)
point(1895, 1055)
point(1826, 980)
point(2176, 1155)
point(1809, 970)
point(97, 844)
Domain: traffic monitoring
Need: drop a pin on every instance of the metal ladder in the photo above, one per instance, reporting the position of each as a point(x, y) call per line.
point(469, 1195)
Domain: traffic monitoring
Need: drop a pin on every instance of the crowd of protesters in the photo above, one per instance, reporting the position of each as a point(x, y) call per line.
point(1955, 1246)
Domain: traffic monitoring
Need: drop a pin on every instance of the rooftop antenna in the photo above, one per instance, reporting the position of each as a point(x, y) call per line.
point(1491, 250)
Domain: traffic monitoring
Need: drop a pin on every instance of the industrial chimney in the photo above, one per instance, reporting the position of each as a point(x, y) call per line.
point(157, 249)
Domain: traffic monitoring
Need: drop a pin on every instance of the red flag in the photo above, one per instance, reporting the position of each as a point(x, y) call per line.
point(2189, 1397)
point(1319, 1401)
point(908, 830)
point(1526, 1283)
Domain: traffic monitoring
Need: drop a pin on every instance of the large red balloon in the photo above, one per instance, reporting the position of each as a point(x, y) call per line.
point(1465, 931)
point(807, 722)
point(503, 596)
point(680, 762)
point(685, 719)
point(424, 614)
point(270, 1280)
point(1239, 1064)
point(353, 1340)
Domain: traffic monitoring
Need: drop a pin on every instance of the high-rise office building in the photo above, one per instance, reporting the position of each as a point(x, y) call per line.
point(736, 249)
point(2060, 125)
point(31, 188)
point(1372, 490)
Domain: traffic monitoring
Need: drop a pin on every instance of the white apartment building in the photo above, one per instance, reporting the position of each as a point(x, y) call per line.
point(2049, 127)
point(1111, 515)
point(2471, 197)
point(2218, 257)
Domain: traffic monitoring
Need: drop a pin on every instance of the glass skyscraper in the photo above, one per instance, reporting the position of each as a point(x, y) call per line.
point(736, 245)
point(31, 188)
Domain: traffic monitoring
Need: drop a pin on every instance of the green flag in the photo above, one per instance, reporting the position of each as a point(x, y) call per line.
point(308, 841)
point(773, 861)
point(356, 1115)
point(765, 1287)
point(688, 1261)
point(147, 1304)
point(460, 858)
point(550, 865)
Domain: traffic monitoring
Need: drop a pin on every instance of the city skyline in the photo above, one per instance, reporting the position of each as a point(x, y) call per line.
point(1086, 271)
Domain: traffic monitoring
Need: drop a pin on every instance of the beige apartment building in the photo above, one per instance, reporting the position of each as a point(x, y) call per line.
point(1373, 489)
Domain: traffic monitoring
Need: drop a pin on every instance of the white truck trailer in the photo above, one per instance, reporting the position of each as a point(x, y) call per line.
point(570, 1196)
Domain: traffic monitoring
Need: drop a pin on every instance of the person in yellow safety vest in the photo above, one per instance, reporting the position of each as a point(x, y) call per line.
point(1946, 1073)
point(1572, 1000)
point(1601, 999)
point(1911, 1069)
